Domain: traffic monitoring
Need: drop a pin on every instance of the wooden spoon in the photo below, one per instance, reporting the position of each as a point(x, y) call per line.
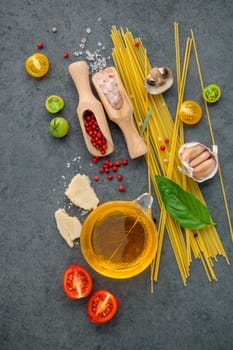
point(88, 102)
point(119, 108)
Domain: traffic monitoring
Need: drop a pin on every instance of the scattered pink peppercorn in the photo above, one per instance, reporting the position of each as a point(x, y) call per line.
point(40, 45)
point(121, 188)
point(125, 162)
point(114, 168)
point(95, 160)
point(66, 54)
point(117, 163)
point(101, 170)
point(162, 148)
point(119, 177)
point(110, 177)
point(96, 178)
point(136, 43)
point(166, 141)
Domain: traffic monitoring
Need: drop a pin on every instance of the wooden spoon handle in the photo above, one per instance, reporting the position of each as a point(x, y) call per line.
point(79, 72)
point(122, 116)
point(135, 143)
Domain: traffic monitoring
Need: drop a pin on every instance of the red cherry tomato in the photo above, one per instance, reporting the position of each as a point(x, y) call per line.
point(76, 282)
point(102, 306)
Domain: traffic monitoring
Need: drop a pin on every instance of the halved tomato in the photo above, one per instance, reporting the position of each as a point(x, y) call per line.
point(54, 104)
point(190, 112)
point(211, 93)
point(37, 65)
point(102, 306)
point(76, 282)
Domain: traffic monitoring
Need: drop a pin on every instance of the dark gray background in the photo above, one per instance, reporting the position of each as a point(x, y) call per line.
point(34, 312)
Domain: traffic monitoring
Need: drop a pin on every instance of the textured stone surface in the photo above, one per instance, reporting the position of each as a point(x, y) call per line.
point(35, 168)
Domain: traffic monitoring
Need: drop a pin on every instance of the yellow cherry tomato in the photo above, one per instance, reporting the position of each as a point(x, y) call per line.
point(190, 112)
point(37, 65)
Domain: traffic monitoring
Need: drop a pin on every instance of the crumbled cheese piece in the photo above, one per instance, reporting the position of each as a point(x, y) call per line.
point(81, 193)
point(68, 226)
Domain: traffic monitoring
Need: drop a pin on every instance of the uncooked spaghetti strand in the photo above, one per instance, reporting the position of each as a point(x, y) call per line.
point(202, 85)
point(156, 261)
point(180, 254)
point(206, 257)
point(173, 240)
point(213, 140)
point(154, 265)
point(180, 98)
point(188, 247)
point(133, 76)
point(177, 51)
point(187, 235)
point(175, 236)
point(198, 255)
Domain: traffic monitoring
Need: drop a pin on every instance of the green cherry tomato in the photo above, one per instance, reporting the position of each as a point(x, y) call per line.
point(211, 93)
point(54, 104)
point(59, 127)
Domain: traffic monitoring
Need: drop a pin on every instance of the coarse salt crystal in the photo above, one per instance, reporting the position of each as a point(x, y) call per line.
point(83, 40)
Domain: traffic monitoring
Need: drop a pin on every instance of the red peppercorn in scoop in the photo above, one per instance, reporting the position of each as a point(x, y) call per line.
point(90, 112)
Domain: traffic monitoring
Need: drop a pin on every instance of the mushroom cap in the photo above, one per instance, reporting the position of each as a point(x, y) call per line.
point(158, 80)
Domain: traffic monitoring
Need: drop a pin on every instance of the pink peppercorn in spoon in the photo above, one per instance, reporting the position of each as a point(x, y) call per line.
point(90, 113)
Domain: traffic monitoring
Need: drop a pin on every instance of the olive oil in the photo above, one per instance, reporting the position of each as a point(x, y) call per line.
point(119, 240)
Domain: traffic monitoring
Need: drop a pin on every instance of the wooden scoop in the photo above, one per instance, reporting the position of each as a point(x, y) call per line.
point(88, 102)
point(119, 108)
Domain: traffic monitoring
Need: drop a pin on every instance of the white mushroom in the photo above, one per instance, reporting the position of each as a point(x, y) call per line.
point(158, 80)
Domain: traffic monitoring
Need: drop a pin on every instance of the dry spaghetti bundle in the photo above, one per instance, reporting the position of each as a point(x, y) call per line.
point(133, 66)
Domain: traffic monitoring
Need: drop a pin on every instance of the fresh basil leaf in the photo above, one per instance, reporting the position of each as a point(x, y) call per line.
point(183, 206)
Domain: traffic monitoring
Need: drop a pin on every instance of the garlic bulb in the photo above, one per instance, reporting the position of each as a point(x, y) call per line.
point(199, 162)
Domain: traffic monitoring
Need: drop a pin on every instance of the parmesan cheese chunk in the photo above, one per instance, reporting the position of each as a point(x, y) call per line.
point(81, 193)
point(68, 226)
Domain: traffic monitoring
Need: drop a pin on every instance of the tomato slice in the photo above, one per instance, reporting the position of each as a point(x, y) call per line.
point(190, 112)
point(37, 65)
point(76, 282)
point(54, 104)
point(102, 306)
point(211, 93)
